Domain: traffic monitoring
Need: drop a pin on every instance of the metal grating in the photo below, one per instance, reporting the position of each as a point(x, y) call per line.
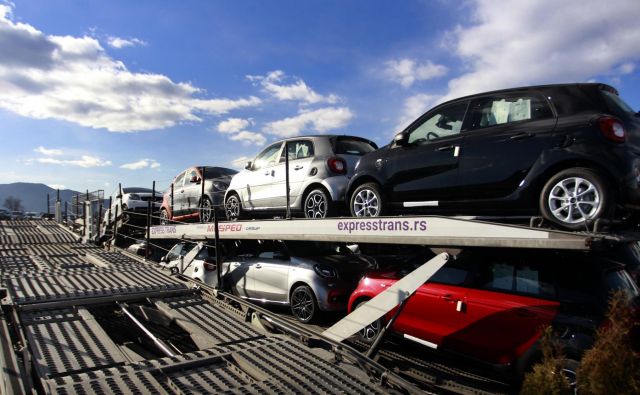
point(120, 381)
point(208, 324)
point(67, 341)
point(55, 285)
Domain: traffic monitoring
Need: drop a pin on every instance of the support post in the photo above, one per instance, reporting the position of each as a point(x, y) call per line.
point(146, 249)
point(153, 200)
point(171, 200)
point(98, 234)
point(201, 209)
point(48, 212)
point(374, 347)
point(286, 173)
point(218, 255)
point(110, 206)
point(115, 226)
point(66, 213)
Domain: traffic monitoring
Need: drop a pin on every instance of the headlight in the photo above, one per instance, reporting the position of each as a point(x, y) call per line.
point(220, 185)
point(324, 271)
point(133, 196)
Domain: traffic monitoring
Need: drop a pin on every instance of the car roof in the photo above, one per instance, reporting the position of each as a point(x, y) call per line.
point(532, 87)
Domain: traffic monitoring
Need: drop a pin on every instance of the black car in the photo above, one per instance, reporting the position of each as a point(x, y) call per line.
point(570, 152)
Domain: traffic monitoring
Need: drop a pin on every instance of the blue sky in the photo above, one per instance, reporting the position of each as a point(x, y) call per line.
point(93, 93)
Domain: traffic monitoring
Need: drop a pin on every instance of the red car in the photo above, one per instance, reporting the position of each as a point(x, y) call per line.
point(490, 305)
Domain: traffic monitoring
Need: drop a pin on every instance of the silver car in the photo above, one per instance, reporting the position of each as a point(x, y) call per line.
point(319, 171)
point(307, 276)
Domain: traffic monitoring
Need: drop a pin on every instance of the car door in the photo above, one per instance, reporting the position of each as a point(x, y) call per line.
point(192, 191)
point(300, 157)
point(509, 303)
point(424, 168)
point(179, 198)
point(504, 135)
point(435, 313)
point(258, 182)
point(270, 272)
point(235, 269)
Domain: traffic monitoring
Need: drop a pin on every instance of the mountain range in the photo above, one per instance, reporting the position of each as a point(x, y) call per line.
point(34, 196)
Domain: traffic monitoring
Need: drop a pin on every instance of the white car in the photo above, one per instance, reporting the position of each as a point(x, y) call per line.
point(133, 200)
point(196, 261)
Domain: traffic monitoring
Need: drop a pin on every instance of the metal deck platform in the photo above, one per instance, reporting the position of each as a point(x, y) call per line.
point(423, 230)
point(65, 330)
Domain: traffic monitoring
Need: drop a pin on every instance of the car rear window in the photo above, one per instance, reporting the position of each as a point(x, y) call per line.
point(352, 146)
point(136, 190)
point(616, 105)
point(216, 172)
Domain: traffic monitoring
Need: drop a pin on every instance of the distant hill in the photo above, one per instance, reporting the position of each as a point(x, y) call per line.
point(33, 196)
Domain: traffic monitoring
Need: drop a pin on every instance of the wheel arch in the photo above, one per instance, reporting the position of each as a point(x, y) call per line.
point(295, 285)
point(557, 167)
point(356, 182)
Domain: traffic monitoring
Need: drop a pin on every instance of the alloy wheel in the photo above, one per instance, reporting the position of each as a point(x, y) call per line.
point(302, 304)
point(315, 205)
point(164, 217)
point(206, 210)
point(366, 204)
point(232, 208)
point(370, 332)
point(574, 200)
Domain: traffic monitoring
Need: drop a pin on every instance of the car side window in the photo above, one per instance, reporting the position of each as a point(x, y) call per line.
point(298, 149)
point(178, 181)
point(530, 279)
point(444, 122)
point(453, 273)
point(267, 157)
point(502, 109)
point(245, 248)
point(269, 249)
point(192, 173)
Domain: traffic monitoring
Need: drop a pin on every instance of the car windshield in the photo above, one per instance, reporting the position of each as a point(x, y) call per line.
point(136, 190)
point(217, 172)
point(343, 145)
point(619, 280)
point(317, 248)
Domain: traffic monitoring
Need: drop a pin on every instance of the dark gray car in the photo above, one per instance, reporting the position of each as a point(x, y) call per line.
point(308, 276)
point(319, 171)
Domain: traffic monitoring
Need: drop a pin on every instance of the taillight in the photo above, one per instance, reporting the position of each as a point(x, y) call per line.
point(612, 129)
point(209, 265)
point(337, 165)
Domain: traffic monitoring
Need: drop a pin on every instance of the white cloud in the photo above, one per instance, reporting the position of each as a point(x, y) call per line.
point(56, 186)
point(117, 42)
point(85, 161)
point(141, 164)
point(248, 138)
point(530, 42)
point(321, 120)
point(407, 71)
point(298, 90)
point(73, 79)
point(48, 152)
point(233, 125)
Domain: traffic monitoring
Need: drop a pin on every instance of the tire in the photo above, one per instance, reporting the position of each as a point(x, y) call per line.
point(370, 332)
point(125, 215)
point(569, 369)
point(575, 197)
point(318, 204)
point(233, 207)
point(367, 201)
point(303, 304)
point(206, 210)
point(164, 217)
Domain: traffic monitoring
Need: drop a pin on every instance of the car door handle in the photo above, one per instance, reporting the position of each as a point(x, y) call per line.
point(298, 167)
point(521, 136)
point(258, 266)
point(447, 148)
point(447, 298)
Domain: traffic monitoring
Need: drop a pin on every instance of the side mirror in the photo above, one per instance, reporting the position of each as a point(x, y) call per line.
point(401, 139)
point(163, 259)
point(194, 179)
point(248, 166)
